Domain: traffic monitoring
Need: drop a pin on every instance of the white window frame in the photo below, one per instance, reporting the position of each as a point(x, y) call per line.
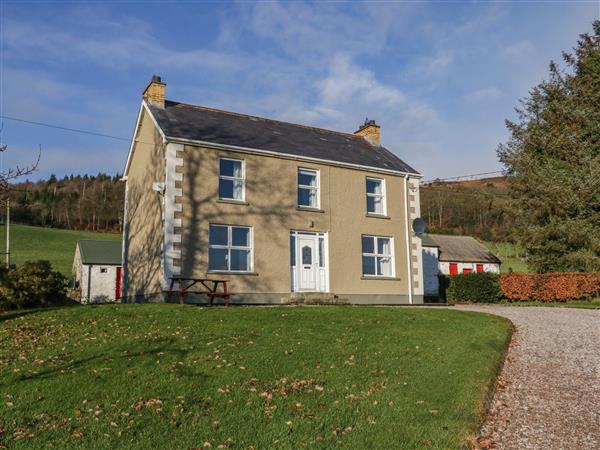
point(230, 247)
point(381, 255)
point(382, 196)
point(316, 188)
point(227, 177)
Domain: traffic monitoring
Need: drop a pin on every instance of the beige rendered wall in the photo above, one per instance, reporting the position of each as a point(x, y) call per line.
point(143, 228)
point(271, 211)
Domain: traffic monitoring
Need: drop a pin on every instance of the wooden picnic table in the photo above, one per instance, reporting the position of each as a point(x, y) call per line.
point(211, 288)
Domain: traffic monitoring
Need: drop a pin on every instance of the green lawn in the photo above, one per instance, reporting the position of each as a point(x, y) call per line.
point(511, 256)
point(170, 376)
point(57, 246)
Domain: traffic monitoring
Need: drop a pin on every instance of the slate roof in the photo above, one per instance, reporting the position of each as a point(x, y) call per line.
point(427, 241)
point(182, 121)
point(463, 249)
point(100, 252)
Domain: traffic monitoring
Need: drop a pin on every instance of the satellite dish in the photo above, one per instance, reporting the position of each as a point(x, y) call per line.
point(419, 226)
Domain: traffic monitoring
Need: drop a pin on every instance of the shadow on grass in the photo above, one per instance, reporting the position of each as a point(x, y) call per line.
point(13, 314)
point(164, 348)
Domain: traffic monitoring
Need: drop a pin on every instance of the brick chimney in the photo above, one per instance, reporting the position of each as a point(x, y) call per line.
point(155, 92)
point(369, 131)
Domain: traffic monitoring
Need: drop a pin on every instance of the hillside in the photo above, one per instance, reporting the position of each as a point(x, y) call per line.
point(57, 246)
point(475, 207)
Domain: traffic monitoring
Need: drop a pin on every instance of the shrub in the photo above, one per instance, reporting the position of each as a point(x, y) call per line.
point(477, 287)
point(550, 287)
point(31, 285)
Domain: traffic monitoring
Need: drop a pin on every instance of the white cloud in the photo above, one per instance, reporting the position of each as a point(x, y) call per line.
point(519, 50)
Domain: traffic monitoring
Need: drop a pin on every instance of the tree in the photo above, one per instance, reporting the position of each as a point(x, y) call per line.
point(553, 162)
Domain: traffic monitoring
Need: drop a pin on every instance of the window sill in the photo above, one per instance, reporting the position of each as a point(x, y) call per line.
point(375, 277)
point(377, 216)
point(309, 209)
point(234, 202)
point(225, 272)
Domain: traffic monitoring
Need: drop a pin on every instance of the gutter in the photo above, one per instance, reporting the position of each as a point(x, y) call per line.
point(409, 259)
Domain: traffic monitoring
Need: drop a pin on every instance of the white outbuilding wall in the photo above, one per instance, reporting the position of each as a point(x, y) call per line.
point(98, 284)
point(487, 267)
point(430, 271)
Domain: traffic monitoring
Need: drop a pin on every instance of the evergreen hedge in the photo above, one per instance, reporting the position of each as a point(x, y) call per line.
point(476, 287)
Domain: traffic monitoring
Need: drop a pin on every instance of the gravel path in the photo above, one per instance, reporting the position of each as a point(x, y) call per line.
point(548, 395)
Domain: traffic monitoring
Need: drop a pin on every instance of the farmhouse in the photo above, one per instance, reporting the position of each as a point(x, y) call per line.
point(98, 270)
point(279, 210)
point(451, 255)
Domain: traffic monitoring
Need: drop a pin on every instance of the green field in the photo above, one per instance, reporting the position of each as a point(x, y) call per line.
point(510, 255)
point(55, 245)
point(171, 376)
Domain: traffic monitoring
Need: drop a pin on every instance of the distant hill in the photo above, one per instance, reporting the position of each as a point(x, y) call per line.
point(472, 207)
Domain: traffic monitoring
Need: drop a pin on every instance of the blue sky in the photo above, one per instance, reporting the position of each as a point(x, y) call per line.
point(440, 78)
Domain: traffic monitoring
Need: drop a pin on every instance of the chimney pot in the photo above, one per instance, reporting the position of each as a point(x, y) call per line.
point(155, 92)
point(369, 131)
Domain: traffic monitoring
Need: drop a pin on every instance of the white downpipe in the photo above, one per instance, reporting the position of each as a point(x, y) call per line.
point(409, 259)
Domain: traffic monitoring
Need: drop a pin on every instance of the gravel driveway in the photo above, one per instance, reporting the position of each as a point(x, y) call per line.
point(548, 395)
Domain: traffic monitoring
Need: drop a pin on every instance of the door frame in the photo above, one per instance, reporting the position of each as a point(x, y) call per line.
point(322, 276)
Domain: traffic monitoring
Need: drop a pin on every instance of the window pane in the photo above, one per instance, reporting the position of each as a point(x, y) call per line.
point(307, 178)
point(238, 190)
point(226, 189)
point(374, 205)
point(368, 263)
point(367, 244)
point(374, 186)
point(217, 259)
point(230, 168)
point(384, 266)
point(383, 246)
point(240, 259)
point(217, 235)
point(306, 255)
point(292, 251)
point(240, 237)
point(321, 252)
point(307, 197)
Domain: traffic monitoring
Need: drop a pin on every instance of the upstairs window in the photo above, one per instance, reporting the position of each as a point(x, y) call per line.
point(377, 256)
point(308, 188)
point(376, 196)
point(230, 248)
point(231, 179)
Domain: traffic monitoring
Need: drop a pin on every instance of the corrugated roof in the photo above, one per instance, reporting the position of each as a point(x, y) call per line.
point(100, 252)
point(427, 241)
point(463, 249)
point(182, 121)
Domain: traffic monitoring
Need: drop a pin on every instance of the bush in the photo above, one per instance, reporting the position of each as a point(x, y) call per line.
point(550, 287)
point(477, 287)
point(31, 285)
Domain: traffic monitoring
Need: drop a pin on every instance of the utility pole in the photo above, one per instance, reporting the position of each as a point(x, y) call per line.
point(8, 232)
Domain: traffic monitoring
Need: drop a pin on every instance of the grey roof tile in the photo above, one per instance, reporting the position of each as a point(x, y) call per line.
point(182, 121)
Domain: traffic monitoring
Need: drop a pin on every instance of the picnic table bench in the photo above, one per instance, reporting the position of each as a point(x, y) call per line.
point(211, 288)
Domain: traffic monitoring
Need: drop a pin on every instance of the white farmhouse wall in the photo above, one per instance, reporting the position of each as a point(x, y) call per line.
point(487, 267)
point(102, 287)
point(430, 270)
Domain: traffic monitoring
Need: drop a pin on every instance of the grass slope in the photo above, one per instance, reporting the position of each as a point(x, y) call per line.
point(58, 246)
point(170, 376)
point(509, 255)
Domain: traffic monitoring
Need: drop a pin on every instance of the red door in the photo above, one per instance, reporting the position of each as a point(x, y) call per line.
point(453, 269)
point(479, 267)
point(467, 270)
point(118, 283)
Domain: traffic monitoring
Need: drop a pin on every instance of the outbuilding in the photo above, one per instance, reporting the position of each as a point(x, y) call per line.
point(98, 270)
point(452, 255)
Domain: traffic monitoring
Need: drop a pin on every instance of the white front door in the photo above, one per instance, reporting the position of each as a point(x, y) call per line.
point(307, 262)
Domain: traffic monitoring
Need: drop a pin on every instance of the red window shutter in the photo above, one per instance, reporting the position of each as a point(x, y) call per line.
point(453, 269)
point(467, 270)
point(118, 283)
point(479, 267)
